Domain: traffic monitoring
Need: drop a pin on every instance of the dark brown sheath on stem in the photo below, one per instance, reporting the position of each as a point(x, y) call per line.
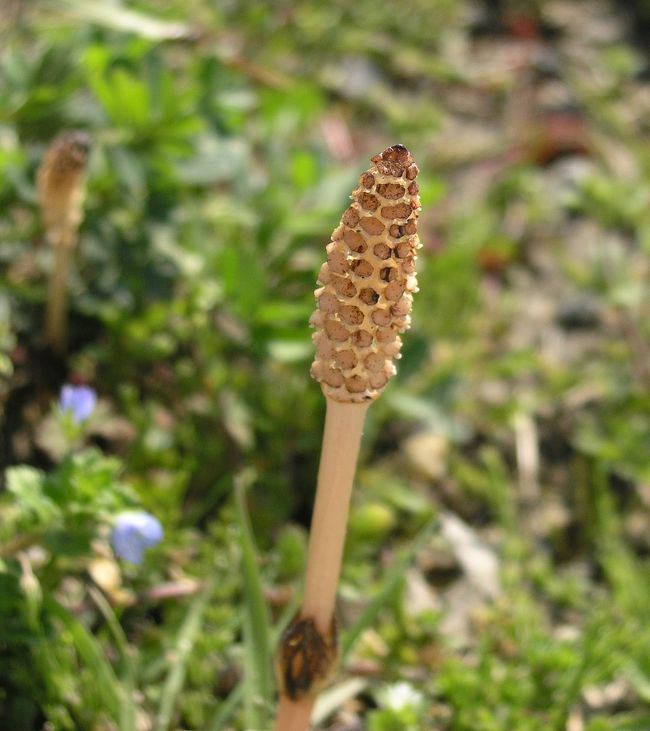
point(61, 188)
point(364, 304)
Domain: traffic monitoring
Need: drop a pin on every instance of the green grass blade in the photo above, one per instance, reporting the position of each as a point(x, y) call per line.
point(227, 708)
point(391, 582)
point(184, 644)
point(91, 653)
point(257, 647)
point(285, 618)
point(128, 715)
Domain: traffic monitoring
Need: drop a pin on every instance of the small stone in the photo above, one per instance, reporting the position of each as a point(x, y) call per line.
point(581, 313)
point(426, 452)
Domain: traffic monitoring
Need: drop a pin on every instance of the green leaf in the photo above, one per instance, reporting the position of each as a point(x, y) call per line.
point(89, 482)
point(184, 645)
point(304, 170)
point(237, 418)
point(257, 648)
point(131, 98)
point(128, 716)
point(92, 655)
point(227, 708)
point(389, 585)
point(26, 484)
point(216, 160)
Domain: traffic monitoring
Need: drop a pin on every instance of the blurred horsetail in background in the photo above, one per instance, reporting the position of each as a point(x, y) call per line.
point(61, 183)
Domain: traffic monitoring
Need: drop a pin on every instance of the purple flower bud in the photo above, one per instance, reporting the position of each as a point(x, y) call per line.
point(133, 533)
point(80, 401)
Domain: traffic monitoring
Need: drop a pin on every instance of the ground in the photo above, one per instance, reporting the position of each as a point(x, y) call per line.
point(496, 575)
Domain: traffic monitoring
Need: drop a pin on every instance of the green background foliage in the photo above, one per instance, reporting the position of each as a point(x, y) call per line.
point(226, 138)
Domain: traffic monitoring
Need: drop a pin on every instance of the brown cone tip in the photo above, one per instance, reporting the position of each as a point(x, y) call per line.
point(67, 153)
point(365, 299)
point(60, 183)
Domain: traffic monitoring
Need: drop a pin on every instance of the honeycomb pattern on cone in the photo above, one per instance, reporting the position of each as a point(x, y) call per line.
point(365, 299)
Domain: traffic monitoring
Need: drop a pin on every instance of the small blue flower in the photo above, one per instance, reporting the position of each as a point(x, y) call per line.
point(80, 401)
point(133, 533)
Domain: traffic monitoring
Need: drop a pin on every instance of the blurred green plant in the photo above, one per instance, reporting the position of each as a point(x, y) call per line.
point(224, 140)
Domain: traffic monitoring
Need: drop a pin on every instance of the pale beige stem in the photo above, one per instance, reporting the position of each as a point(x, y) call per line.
point(56, 308)
point(341, 441)
point(294, 715)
